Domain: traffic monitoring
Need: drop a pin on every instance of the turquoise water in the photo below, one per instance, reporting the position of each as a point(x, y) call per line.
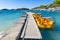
point(51, 34)
point(8, 18)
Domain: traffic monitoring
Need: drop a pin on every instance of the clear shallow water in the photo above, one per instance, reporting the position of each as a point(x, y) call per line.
point(8, 18)
point(51, 34)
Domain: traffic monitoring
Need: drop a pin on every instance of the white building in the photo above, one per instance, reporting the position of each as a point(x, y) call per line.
point(57, 8)
point(51, 9)
point(41, 9)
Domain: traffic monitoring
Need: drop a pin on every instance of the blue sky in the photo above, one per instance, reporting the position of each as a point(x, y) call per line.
point(10, 4)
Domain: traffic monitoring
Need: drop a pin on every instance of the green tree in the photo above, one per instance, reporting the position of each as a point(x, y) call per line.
point(56, 3)
point(51, 5)
point(43, 6)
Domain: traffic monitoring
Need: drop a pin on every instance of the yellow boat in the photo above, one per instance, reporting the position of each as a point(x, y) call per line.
point(43, 23)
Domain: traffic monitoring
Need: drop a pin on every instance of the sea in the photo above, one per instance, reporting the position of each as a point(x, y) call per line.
point(8, 18)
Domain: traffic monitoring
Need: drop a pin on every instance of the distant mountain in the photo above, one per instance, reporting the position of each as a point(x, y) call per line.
point(41, 7)
point(22, 9)
point(56, 3)
point(5, 9)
